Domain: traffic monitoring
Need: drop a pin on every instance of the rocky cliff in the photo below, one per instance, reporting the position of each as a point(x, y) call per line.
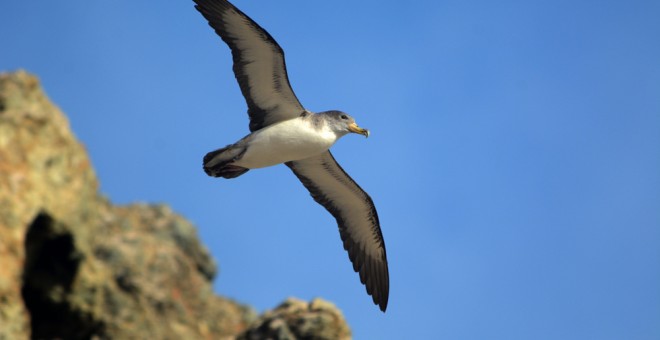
point(75, 266)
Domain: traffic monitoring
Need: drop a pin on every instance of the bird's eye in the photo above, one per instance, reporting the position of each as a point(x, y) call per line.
point(344, 117)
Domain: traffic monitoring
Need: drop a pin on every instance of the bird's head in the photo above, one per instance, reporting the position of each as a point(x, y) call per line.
point(342, 123)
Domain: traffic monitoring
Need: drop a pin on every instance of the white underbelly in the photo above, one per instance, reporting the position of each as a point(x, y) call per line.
point(287, 141)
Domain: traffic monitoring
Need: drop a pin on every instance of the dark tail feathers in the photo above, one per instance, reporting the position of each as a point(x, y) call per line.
point(218, 163)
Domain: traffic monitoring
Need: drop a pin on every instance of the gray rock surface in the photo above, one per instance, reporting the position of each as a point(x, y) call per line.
point(74, 266)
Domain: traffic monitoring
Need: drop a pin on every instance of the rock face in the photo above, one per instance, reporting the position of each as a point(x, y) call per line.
point(296, 319)
point(74, 266)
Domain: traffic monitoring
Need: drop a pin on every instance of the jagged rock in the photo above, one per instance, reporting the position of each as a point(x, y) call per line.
point(296, 319)
point(74, 266)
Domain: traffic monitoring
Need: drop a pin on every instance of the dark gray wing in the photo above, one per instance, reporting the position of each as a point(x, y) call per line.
point(258, 64)
point(356, 216)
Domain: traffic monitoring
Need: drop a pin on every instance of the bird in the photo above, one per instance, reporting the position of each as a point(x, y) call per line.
point(283, 131)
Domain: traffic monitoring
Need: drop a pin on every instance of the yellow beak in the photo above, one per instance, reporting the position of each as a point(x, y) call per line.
point(356, 129)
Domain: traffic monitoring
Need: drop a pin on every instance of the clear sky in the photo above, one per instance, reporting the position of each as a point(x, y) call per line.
point(514, 156)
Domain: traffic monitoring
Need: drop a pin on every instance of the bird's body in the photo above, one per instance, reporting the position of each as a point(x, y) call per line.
point(290, 140)
point(283, 131)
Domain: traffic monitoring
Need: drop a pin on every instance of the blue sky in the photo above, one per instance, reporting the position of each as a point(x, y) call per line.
point(514, 157)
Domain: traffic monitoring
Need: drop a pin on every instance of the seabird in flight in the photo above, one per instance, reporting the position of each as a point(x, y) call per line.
point(283, 131)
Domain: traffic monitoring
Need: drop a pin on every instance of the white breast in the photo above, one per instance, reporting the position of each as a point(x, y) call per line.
point(290, 140)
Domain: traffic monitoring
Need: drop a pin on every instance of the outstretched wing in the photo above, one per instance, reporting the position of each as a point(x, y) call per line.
point(356, 216)
point(259, 64)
